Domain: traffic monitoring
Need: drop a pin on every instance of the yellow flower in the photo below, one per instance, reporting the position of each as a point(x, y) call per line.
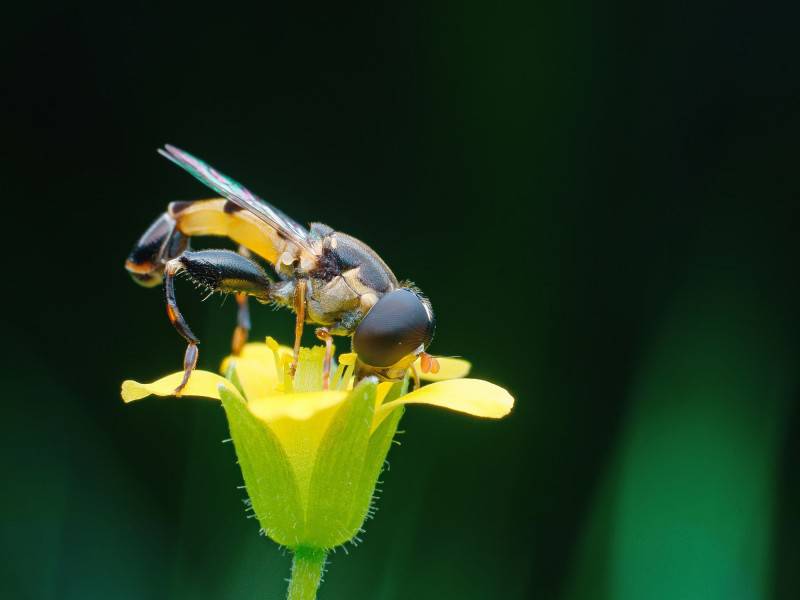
point(310, 457)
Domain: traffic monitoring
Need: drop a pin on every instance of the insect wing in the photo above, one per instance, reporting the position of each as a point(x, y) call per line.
point(238, 194)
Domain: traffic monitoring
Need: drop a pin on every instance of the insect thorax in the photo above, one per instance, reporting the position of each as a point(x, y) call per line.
point(346, 281)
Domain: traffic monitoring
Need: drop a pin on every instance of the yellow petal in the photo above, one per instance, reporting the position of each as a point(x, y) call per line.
point(256, 352)
point(255, 368)
point(261, 352)
point(300, 406)
point(471, 396)
point(257, 380)
point(449, 368)
point(201, 383)
point(380, 394)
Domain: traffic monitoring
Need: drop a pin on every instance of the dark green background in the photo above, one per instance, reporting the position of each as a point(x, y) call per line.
point(600, 200)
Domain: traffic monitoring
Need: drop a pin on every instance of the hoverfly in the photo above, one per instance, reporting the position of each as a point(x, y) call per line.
point(325, 277)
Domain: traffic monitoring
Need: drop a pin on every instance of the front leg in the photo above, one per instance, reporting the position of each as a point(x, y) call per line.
point(215, 271)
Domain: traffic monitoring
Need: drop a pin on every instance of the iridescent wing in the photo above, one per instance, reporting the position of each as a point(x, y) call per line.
point(239, 195)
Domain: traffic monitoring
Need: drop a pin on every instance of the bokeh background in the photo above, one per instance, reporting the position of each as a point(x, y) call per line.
point(599, 198)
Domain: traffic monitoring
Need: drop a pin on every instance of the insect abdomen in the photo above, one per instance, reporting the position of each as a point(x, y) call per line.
point(219, 217)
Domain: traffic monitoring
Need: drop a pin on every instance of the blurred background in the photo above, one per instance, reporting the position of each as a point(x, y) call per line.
point(600, 200)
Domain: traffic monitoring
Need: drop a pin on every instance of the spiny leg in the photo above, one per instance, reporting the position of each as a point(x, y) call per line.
point(174, 267)
point(300, 311)
point(215, 271)
point(324, 335)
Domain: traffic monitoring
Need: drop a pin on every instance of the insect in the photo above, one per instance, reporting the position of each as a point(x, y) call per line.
point(325, 277)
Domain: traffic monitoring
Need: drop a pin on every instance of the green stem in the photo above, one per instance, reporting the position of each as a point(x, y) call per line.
point(307, 567)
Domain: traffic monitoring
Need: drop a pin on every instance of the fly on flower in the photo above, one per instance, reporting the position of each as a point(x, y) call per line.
point(325, 277)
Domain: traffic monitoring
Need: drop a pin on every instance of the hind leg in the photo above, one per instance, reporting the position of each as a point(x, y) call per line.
point(214, 271)
point(242, 330)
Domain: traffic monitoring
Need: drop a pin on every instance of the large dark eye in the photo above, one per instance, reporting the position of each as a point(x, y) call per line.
point(395, 327)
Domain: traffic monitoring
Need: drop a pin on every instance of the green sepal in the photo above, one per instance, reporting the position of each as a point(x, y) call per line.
point(232, 376)
point(379, 443)
point(398, 389)
point(338, 469)
point(268, 475)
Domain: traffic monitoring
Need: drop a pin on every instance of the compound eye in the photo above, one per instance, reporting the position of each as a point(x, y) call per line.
point(396, 326)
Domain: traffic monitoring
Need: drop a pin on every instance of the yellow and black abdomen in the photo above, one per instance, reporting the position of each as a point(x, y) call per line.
point(159, 242)
point(220, 217)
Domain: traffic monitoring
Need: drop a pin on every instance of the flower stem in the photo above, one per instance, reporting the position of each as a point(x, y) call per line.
point(307, 567)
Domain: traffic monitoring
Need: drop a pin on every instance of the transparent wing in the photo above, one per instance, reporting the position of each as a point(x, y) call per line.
point(238, 194)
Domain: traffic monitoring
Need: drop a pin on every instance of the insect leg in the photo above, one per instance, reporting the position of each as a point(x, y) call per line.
point(300, 311)
point(324, 335)
point(179, 323)
point(414, 377)
point(215, 271)
point(242, 330)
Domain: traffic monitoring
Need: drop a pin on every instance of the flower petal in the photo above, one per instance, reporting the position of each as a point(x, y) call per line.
point(299, 406)
point(384, 387)
point(257, 377)
point(201, 383)
point(256, 369)
point(449, 368)
point(257, 352)
point(471, 396)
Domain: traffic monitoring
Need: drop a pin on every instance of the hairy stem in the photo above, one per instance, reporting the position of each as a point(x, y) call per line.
point(307, 567)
